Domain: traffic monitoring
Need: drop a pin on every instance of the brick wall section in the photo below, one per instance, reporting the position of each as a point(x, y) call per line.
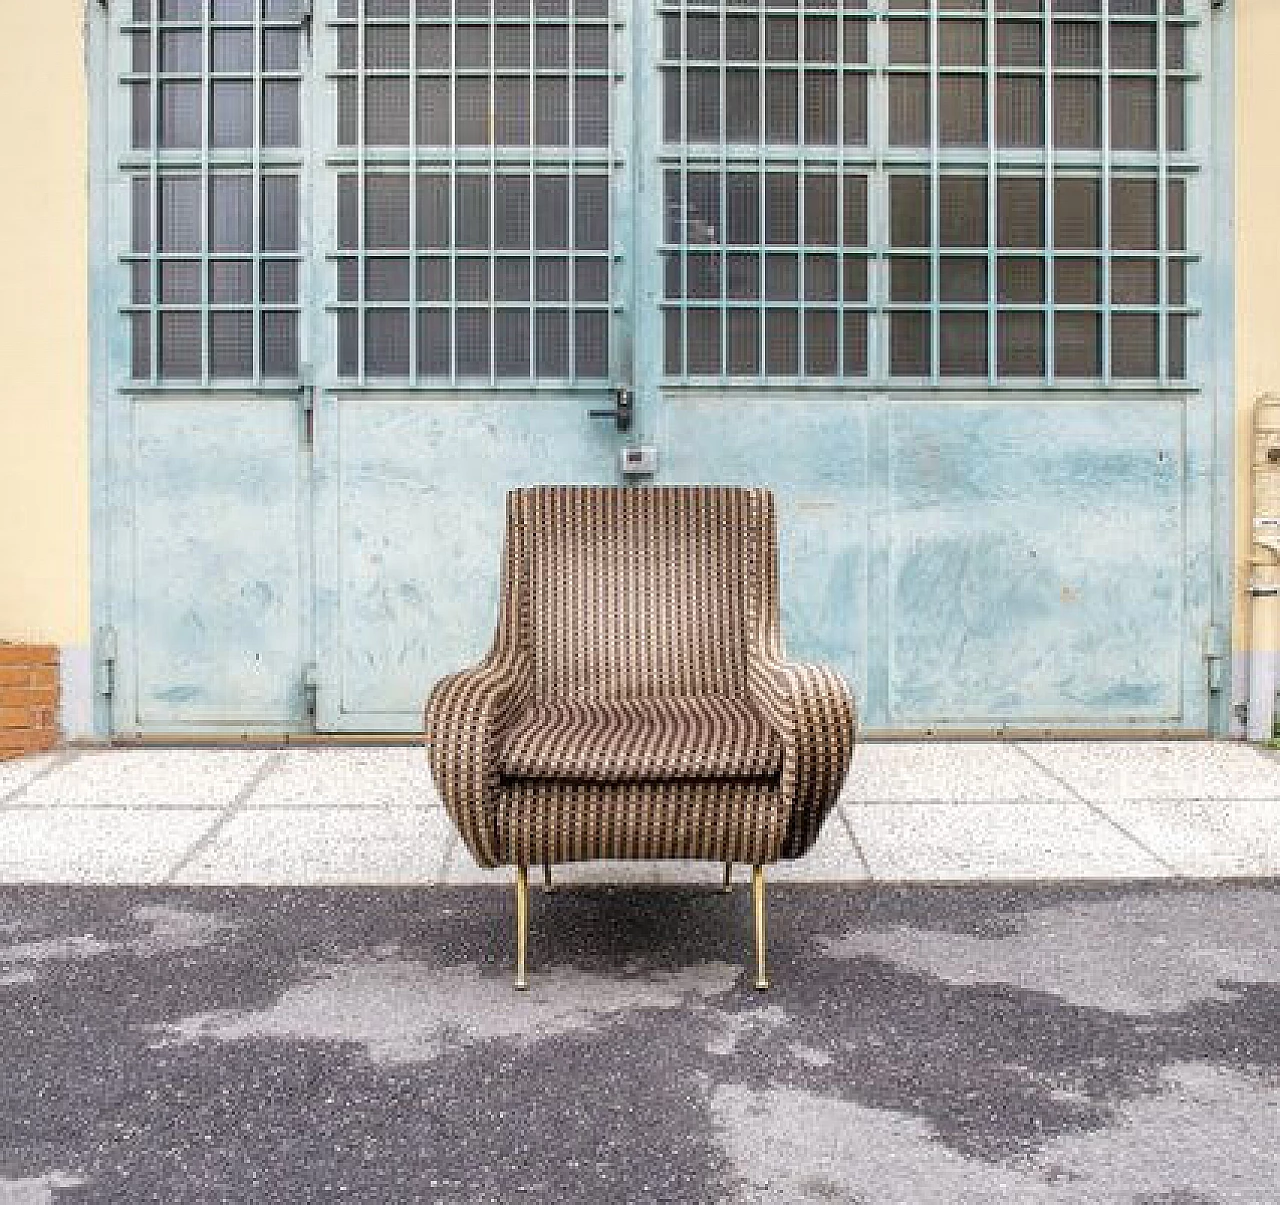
point(28, 698)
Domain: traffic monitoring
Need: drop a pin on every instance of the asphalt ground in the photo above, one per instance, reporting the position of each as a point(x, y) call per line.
point(920, 1046)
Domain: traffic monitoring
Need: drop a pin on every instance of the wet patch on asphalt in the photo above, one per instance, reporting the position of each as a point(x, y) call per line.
point(1045, 1045)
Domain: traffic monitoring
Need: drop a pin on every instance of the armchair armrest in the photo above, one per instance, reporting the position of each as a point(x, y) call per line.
point(813, 712)
point(465, 717)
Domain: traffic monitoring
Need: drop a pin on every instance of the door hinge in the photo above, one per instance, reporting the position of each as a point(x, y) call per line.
point(105, 665)
point(307, 395)
point(1216, 652)
point(310, 689)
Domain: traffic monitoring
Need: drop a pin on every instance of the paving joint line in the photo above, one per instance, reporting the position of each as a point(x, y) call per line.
point(272, 763)
point(1097, 811)
point(63, 758)
point(857, 845)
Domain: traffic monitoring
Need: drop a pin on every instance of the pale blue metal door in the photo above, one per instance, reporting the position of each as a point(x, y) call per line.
point(935, 270)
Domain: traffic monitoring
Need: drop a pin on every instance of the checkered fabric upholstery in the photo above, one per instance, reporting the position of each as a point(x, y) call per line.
point(636, 702)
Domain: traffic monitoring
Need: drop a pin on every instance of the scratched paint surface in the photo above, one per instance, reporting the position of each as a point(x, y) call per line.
point(218, 540)
point(960, 563)
point(420, 499)
point(1036, 563)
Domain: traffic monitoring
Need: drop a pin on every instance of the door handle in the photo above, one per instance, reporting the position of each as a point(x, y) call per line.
point(623, 409)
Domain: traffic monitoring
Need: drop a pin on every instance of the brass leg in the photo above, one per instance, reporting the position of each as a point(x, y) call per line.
point(522, 927)
point(546, 877)
point(757, 907)
point(728, 876)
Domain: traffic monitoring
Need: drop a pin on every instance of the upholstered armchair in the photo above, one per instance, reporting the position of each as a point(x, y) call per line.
point(636, 702)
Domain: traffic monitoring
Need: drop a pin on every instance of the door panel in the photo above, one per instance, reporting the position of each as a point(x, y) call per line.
point(813, 454)
point(216, 529)
point(411, 507)
point(1037, 565)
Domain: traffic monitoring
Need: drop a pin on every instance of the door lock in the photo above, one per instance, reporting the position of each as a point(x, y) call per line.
point(623, 409)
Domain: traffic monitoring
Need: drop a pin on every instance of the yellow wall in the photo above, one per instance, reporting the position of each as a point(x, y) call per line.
point(1257, 153)
point(44, 413)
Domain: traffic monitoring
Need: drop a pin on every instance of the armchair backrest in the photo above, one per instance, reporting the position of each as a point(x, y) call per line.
point(641, 592)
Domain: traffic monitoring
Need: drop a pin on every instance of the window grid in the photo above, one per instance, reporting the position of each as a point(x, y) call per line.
point(532, 299)
point(1134, 151)
point(240, 321)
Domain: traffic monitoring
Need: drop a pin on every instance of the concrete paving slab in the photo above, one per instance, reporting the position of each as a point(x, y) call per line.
point(147, 778)
point(381, 776)
point(1114, 770)
point(17, 772)
point(1207, 838)
point(96, 844)
point(957, 772)
point(330, 846)
point(941, 843)
point(833, 859)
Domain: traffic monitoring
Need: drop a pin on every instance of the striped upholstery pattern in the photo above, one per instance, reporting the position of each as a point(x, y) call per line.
point(636, 702)
point(608, 741)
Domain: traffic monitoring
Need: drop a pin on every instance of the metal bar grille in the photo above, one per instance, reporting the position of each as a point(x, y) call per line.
point(475, 170)
point(1029, 157)
point(214, 165)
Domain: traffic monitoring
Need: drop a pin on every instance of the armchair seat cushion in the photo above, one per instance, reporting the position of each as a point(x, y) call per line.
point(640, 740)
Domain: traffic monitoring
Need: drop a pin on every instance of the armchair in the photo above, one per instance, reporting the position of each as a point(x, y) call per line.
point(636, 702)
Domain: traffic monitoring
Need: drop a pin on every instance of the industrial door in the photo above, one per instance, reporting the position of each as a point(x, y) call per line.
point(935, 271)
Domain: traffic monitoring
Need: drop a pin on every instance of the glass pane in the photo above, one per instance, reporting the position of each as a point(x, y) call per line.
point(781, 217)
point(962, 211)
point(179, 350)
point(821, 108)
point(386, 211)
point(231, 282)
point(231, 50)
point(1020, 280)
point(1077, 345)
point(591, 112)
point(591, 213)
point(704, 342)
point(1135, 342)
point(387, 280)
point(230, 114)
point(1020, 211)
point(1135, 281)
point(386, 112)
point(1020, 111)
point(1077, 215)
point(591, 344)
point(511, 212)
point(279, 213)
point(821, 343)
point(230, 345)
point(551, 343)
point(962, 278)
point(280, 281)
point(1134, 221)
point(386, 343)
point(1077, 112)
point(434, 229)
point(909, 216)
point(279, 344)
point(1020, 345)
point(962, 345)
point(909, 344)
point(435, 342)
point(1077, 281)
point(140, 214)
point(909, 110)
point(743, 336)
point(781, 342)
point(1133, 114)
point(909, 278)
point(280, 119)
point(180, 115)
point(179, 216)
point(511, 114)
point(434, 112)
point(512, 330)
point(180, 282)
point(781, 114)
point(855, 344)
point(821, 210)
point(962, 43)
point(962, 110)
